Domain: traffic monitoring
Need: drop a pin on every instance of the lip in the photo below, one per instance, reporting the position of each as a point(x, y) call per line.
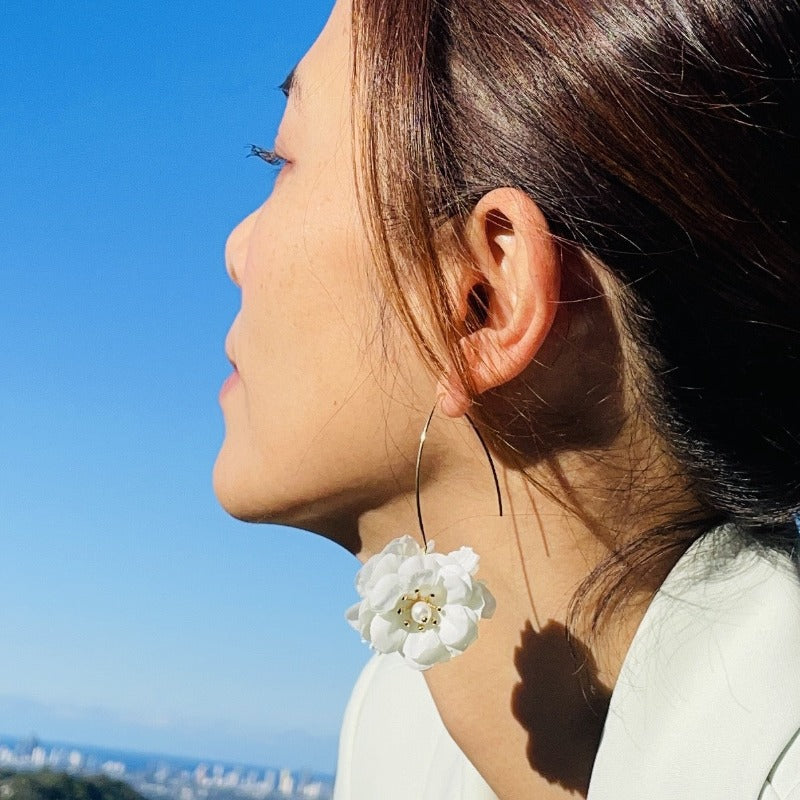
point(229, 383)
point(233, 378)
point(229, 349)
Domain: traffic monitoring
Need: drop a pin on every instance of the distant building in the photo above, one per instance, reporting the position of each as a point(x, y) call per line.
point(201, 775)
point(286, 783)
point(25, 747)
point(231, 780)
point(161, 774)
point(269, 781)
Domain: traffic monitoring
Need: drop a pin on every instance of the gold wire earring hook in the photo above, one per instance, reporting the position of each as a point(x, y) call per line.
point(422, 437)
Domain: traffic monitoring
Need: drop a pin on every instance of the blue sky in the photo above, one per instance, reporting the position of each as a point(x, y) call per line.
point(133, 612)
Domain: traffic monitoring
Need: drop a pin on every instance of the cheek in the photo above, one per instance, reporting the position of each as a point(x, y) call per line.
point(306, 284)
point(308, 318)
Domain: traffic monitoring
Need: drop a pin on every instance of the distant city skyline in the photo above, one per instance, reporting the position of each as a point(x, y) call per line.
point(133, 611)
point(160, 776)
point(192, 739)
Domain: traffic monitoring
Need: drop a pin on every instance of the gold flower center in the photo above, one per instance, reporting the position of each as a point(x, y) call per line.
point(418, 610)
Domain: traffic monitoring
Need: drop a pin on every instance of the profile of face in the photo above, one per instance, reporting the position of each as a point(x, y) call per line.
point(324, 406)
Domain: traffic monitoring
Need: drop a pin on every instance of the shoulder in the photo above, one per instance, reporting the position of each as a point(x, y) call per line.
point(710, 682)
point(784, 779)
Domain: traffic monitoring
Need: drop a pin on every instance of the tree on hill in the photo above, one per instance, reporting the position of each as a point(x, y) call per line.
point(48, 785)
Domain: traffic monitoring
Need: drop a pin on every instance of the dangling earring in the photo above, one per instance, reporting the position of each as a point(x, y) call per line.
point(422, 604)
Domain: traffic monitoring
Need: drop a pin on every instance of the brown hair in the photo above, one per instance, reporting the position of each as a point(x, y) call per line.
point(660, 140)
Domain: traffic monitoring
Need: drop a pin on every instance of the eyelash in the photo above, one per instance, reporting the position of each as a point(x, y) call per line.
point(270, 156)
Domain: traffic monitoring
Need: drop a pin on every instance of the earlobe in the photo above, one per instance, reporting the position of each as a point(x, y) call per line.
point(452, 398)
point(515, 257)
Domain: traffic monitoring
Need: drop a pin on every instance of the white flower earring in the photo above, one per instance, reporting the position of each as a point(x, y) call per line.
point(422, 604)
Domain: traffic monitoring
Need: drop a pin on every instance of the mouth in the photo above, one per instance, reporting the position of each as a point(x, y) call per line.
point(233, 378)
point(229, 352)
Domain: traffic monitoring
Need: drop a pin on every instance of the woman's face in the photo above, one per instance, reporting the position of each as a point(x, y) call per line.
point(320, 426)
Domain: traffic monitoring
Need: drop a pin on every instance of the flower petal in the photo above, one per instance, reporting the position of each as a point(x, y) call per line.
point(411, 565)
point(385, 635)
point(384, 594)
point(457, 583)
point(384, 565)
point(466, 558)
point(458, 627)
point(403, 546)
point(375, 568)
point(438, 560)
point(424, 581)
point(360, 617)
point(489, 603)
point(351, 615)
point(388, 560)
point(423, 650)
point(364, 575)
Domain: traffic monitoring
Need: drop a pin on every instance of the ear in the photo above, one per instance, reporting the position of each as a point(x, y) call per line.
point(516, 274)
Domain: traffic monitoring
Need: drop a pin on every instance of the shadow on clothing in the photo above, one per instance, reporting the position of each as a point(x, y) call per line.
point(561, 704)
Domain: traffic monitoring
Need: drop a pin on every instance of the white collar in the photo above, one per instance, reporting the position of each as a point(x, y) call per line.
point(709, 693)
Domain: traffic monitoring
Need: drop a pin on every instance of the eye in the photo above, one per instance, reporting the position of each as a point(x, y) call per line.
point(270, 156)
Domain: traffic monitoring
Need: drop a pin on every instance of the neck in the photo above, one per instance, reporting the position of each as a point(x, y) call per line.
point(524, 704)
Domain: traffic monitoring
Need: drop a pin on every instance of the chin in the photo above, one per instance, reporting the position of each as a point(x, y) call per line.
point(240, 495)
point(251, 500)
point(232, 480)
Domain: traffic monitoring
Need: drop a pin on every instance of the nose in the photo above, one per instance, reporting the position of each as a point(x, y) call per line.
point(236, 248)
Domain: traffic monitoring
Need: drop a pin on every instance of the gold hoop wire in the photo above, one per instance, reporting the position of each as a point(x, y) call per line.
point(422, 438)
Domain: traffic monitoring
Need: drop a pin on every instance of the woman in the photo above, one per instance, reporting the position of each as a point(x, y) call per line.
point(575, 225)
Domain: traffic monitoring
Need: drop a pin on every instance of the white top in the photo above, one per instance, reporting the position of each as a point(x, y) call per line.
point(706, 706)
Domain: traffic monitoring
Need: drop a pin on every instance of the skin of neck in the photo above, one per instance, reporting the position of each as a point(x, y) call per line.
point(525, 705)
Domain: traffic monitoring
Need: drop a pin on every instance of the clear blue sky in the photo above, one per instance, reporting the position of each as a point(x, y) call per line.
point(133, 612)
